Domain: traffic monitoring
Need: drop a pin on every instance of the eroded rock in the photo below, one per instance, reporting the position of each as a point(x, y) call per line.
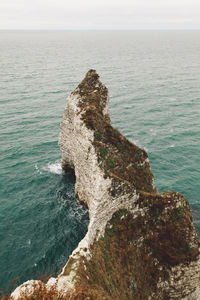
point(139, 244)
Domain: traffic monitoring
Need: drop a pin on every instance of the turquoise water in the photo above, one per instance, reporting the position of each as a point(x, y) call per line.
point(154, 84)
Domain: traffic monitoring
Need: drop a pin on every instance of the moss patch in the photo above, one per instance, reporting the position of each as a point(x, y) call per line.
point(103, 153)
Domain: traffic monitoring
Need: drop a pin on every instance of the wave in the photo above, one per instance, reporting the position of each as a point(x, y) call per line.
point(54, 168)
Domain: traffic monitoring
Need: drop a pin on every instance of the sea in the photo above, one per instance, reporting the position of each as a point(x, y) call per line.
point(153, 79)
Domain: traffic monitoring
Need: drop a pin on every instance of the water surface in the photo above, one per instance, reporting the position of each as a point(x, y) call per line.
point(154, 84)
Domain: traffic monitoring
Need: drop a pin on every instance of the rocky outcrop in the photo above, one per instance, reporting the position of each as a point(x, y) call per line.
point(140, 244)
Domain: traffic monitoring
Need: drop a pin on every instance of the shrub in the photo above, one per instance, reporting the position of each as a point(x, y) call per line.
point(176, 214)
point(103, 152)
point(98, 136)
point(110, 163)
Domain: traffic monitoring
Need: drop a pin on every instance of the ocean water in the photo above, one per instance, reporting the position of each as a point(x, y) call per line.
point(154, 84)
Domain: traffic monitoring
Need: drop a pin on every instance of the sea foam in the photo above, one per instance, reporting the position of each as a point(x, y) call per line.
point(54, 168)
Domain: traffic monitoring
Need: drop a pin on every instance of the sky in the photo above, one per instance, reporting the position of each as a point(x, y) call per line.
point(100, 14)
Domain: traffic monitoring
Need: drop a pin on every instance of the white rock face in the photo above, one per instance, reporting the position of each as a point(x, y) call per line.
point(26, 289)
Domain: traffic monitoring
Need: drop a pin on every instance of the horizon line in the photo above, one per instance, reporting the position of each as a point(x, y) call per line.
point(36, 29)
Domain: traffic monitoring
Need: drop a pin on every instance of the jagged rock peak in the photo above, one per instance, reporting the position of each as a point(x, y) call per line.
point(119, 159)
point(93, 97)
point(90, 82)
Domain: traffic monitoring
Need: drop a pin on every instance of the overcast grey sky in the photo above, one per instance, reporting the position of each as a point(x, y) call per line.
point(100, 14)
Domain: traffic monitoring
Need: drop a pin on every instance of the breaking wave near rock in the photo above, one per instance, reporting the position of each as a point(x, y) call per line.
point(54, 168)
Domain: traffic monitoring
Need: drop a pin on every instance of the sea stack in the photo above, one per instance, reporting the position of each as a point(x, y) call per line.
point(140, 244)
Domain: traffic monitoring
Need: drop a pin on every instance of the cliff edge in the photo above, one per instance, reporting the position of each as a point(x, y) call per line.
point(140, 244)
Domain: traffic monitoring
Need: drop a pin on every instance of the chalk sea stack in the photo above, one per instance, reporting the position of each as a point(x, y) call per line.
point(140, 244)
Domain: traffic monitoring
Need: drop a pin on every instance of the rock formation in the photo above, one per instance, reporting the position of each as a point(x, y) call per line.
point(140, 244)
